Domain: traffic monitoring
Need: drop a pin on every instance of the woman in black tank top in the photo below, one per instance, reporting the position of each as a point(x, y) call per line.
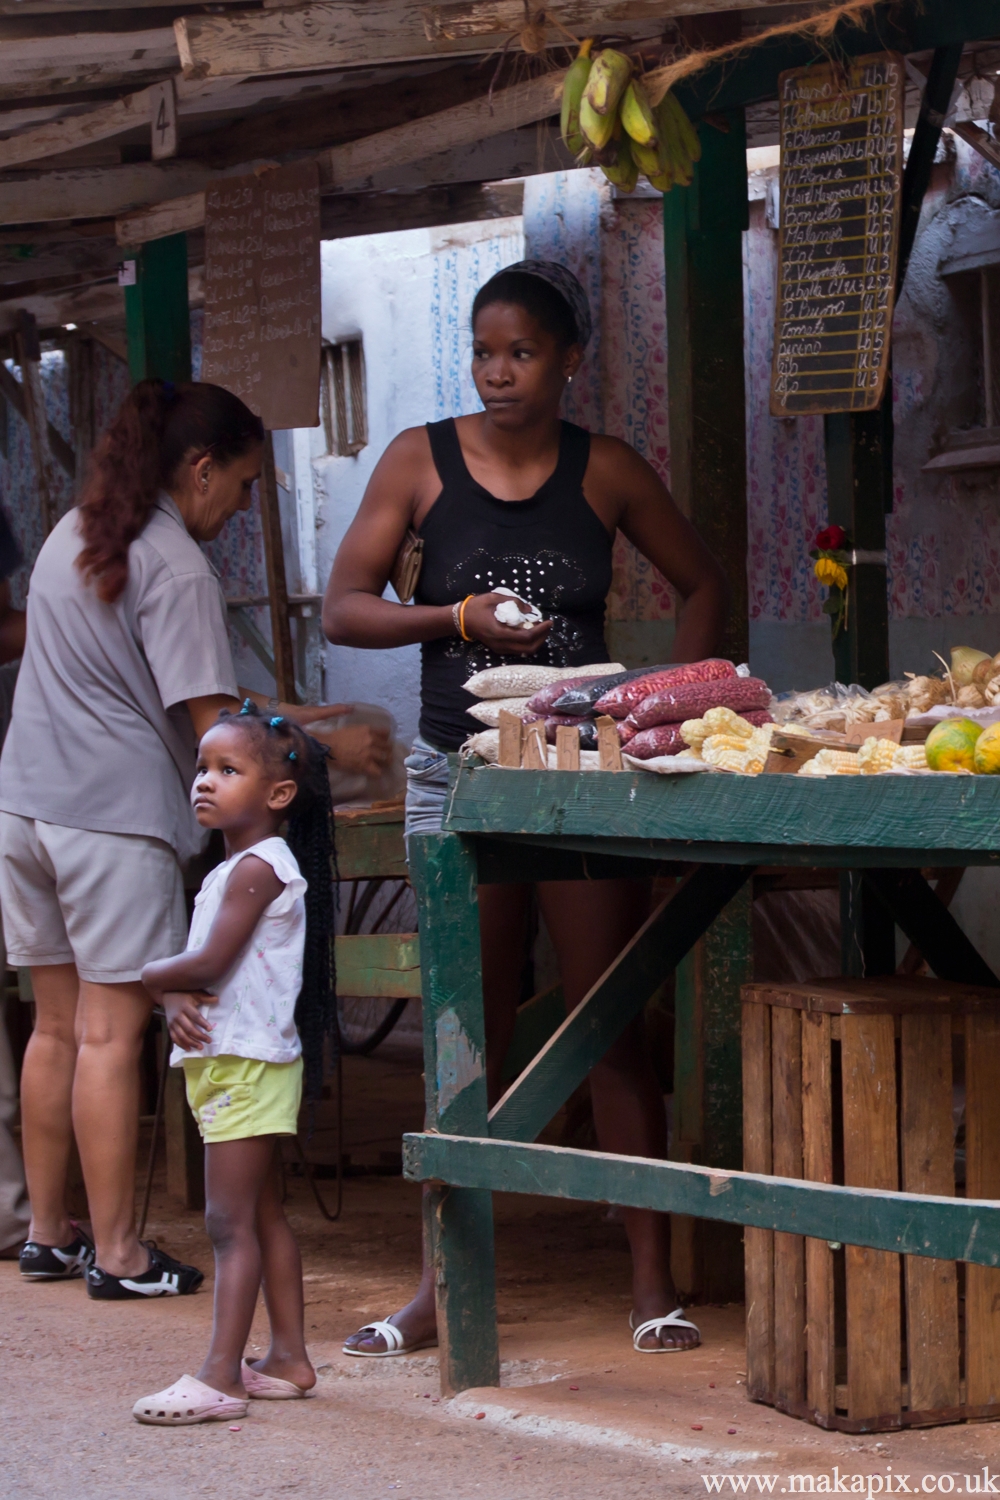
point(550, 549)
point(513, 497)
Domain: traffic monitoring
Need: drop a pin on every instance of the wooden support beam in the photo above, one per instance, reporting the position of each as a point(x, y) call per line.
point(29, 357)
point(70, 63)
point(342, 34)
point(277, 581)
point(703, 229)
point(930, 926)
point(903, 1223)
point(923, 148)
point(473, 18)
point(382, 964)
point(82, 416)
point(617, 997)
point(13, 392)
point(73, 131)
point(859, 493)
point(156, 312)
point(443, 869)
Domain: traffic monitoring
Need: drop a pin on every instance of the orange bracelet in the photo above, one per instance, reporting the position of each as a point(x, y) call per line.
point(461, 617)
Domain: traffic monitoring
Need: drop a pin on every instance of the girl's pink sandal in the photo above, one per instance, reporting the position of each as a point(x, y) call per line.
point(262, 1387)
point(188, 1401)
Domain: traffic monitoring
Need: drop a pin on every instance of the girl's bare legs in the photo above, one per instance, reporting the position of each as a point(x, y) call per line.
point(251, 1240)
point(589, 923)
point(111, 1022)
point(503, 917)
point(46, 1095)
point(281, 1271)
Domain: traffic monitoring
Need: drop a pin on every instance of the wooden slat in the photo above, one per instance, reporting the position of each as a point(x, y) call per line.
point(982, 1179)
point(928, 1154)
point(29, 358)
point(789, 1250)
point(483, 17)
point(534, 1023)
point(13, 391)
point(868, 1061)
point(817, 1162)
point(44, 65)
point(534, 751)
point(567, 748)
point(383, 964)
point(938, 1227)
point(930, 926)
point(366, 851)
point(618, 996)
point(758, 1243)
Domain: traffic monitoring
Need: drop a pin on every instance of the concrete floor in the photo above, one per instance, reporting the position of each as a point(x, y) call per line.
point(578, 1414)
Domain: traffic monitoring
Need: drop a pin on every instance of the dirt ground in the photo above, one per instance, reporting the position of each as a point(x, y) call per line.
point(578, 1414)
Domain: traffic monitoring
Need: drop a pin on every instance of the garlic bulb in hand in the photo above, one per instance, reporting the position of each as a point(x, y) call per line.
point(516, 612)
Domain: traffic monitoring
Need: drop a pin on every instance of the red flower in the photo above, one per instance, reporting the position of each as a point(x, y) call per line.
point(831, 539)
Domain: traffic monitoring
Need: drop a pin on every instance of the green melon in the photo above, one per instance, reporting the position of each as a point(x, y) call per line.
point(988, 751)
point(951, 745)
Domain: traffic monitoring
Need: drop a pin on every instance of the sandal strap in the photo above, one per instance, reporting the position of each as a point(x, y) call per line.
point(393, 1338)
point(676, 1319)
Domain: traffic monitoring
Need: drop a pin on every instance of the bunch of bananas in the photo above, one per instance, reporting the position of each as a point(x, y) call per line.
point(607, 119)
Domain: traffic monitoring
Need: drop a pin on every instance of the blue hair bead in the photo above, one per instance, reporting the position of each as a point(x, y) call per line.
point(249, 706)
point(276, 721)
point(292, 755)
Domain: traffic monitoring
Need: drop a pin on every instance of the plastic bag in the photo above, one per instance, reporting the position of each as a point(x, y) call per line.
point(580, 698)
point(620, 701)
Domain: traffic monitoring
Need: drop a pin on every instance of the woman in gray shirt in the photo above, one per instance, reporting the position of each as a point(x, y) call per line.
point(127, 663)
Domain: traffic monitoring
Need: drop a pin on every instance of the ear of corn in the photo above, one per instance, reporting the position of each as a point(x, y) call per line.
point(909, 758)
point(875, 755)
point(830, 762)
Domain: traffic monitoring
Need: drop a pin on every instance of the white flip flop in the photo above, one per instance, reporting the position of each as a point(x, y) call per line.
point(676, 1319)
point(395, 1341)
point(261, 1387)
point(188, 1401)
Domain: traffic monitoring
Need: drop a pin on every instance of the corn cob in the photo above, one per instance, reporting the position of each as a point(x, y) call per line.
point(732, 760)
point(909, 758)
point(830, 762)
point(876, 755)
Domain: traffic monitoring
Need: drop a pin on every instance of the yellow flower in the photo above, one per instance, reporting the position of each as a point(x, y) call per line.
point(830, 573)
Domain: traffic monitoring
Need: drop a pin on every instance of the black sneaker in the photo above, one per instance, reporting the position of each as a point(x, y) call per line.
point(56, 1263)
point(166, 1277)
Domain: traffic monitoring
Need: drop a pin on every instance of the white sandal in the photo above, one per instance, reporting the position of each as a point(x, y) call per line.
point(188, 1401)
point(676, 1319)
point(395, 1341)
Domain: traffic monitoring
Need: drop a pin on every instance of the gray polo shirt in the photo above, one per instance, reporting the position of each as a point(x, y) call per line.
point(100, 737)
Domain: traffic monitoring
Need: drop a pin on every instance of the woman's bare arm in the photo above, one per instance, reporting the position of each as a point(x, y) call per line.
point(627, 493)
point(401, 489)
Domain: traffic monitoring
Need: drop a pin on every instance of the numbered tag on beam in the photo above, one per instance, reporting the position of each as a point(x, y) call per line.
point(163, 119)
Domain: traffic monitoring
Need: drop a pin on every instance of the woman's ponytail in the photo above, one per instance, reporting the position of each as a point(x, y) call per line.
point(158, 426)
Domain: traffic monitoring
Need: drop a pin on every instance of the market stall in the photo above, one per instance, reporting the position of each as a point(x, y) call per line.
point(717, 828)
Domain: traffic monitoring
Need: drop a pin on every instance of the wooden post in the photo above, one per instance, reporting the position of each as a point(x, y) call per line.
point(277, 582)
point(157, 318)
point(29, 356)
point(703, 228)
point(80, 359)
point(444, 873)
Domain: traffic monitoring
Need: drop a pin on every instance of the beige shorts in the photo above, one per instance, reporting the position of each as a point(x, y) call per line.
point(108, 902)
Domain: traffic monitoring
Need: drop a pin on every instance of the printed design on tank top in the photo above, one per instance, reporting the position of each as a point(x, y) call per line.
point(527, 577)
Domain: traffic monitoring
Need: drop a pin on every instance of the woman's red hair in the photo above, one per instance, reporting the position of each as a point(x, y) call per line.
point(158, 427)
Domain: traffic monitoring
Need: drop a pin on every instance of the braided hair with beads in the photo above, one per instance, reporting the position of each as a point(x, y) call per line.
point(310, 836)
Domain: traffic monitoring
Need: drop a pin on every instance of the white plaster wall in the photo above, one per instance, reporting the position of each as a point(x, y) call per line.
point(409, 296)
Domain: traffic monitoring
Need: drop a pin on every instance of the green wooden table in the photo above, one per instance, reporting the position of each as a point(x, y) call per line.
point(509, 826)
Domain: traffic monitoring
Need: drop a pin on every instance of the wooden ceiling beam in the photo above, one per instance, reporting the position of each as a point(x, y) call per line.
point(41, 65)
point(473, 18)
point(93, 304)
point(345, 33)
point(466, 128)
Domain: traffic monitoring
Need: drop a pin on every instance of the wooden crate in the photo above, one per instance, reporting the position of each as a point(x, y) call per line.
point(851, 1081)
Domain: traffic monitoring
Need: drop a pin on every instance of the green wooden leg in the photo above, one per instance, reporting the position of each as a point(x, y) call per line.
point(708, 1090)
point(443, 870)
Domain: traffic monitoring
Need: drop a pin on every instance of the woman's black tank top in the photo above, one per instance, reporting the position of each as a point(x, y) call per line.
point(552, 550)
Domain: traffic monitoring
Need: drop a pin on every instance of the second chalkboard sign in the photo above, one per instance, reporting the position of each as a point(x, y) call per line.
point(841, 179)
point(262, 292)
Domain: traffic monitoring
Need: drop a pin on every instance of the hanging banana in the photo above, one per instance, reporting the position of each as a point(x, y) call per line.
point(576, 82)
point(608, 80)
point(623, 171)
point(637, 115)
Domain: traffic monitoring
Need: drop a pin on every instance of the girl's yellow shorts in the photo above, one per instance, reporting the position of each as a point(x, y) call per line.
point(236, 1097)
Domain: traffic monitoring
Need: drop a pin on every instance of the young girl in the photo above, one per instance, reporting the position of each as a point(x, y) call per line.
point(258, 961)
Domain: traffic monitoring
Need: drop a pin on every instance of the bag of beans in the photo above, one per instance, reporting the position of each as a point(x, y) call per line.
point(620, 701)
point(691, 700)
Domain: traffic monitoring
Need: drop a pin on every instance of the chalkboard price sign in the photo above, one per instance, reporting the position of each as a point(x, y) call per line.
point(841, 179)
point(262, 292)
